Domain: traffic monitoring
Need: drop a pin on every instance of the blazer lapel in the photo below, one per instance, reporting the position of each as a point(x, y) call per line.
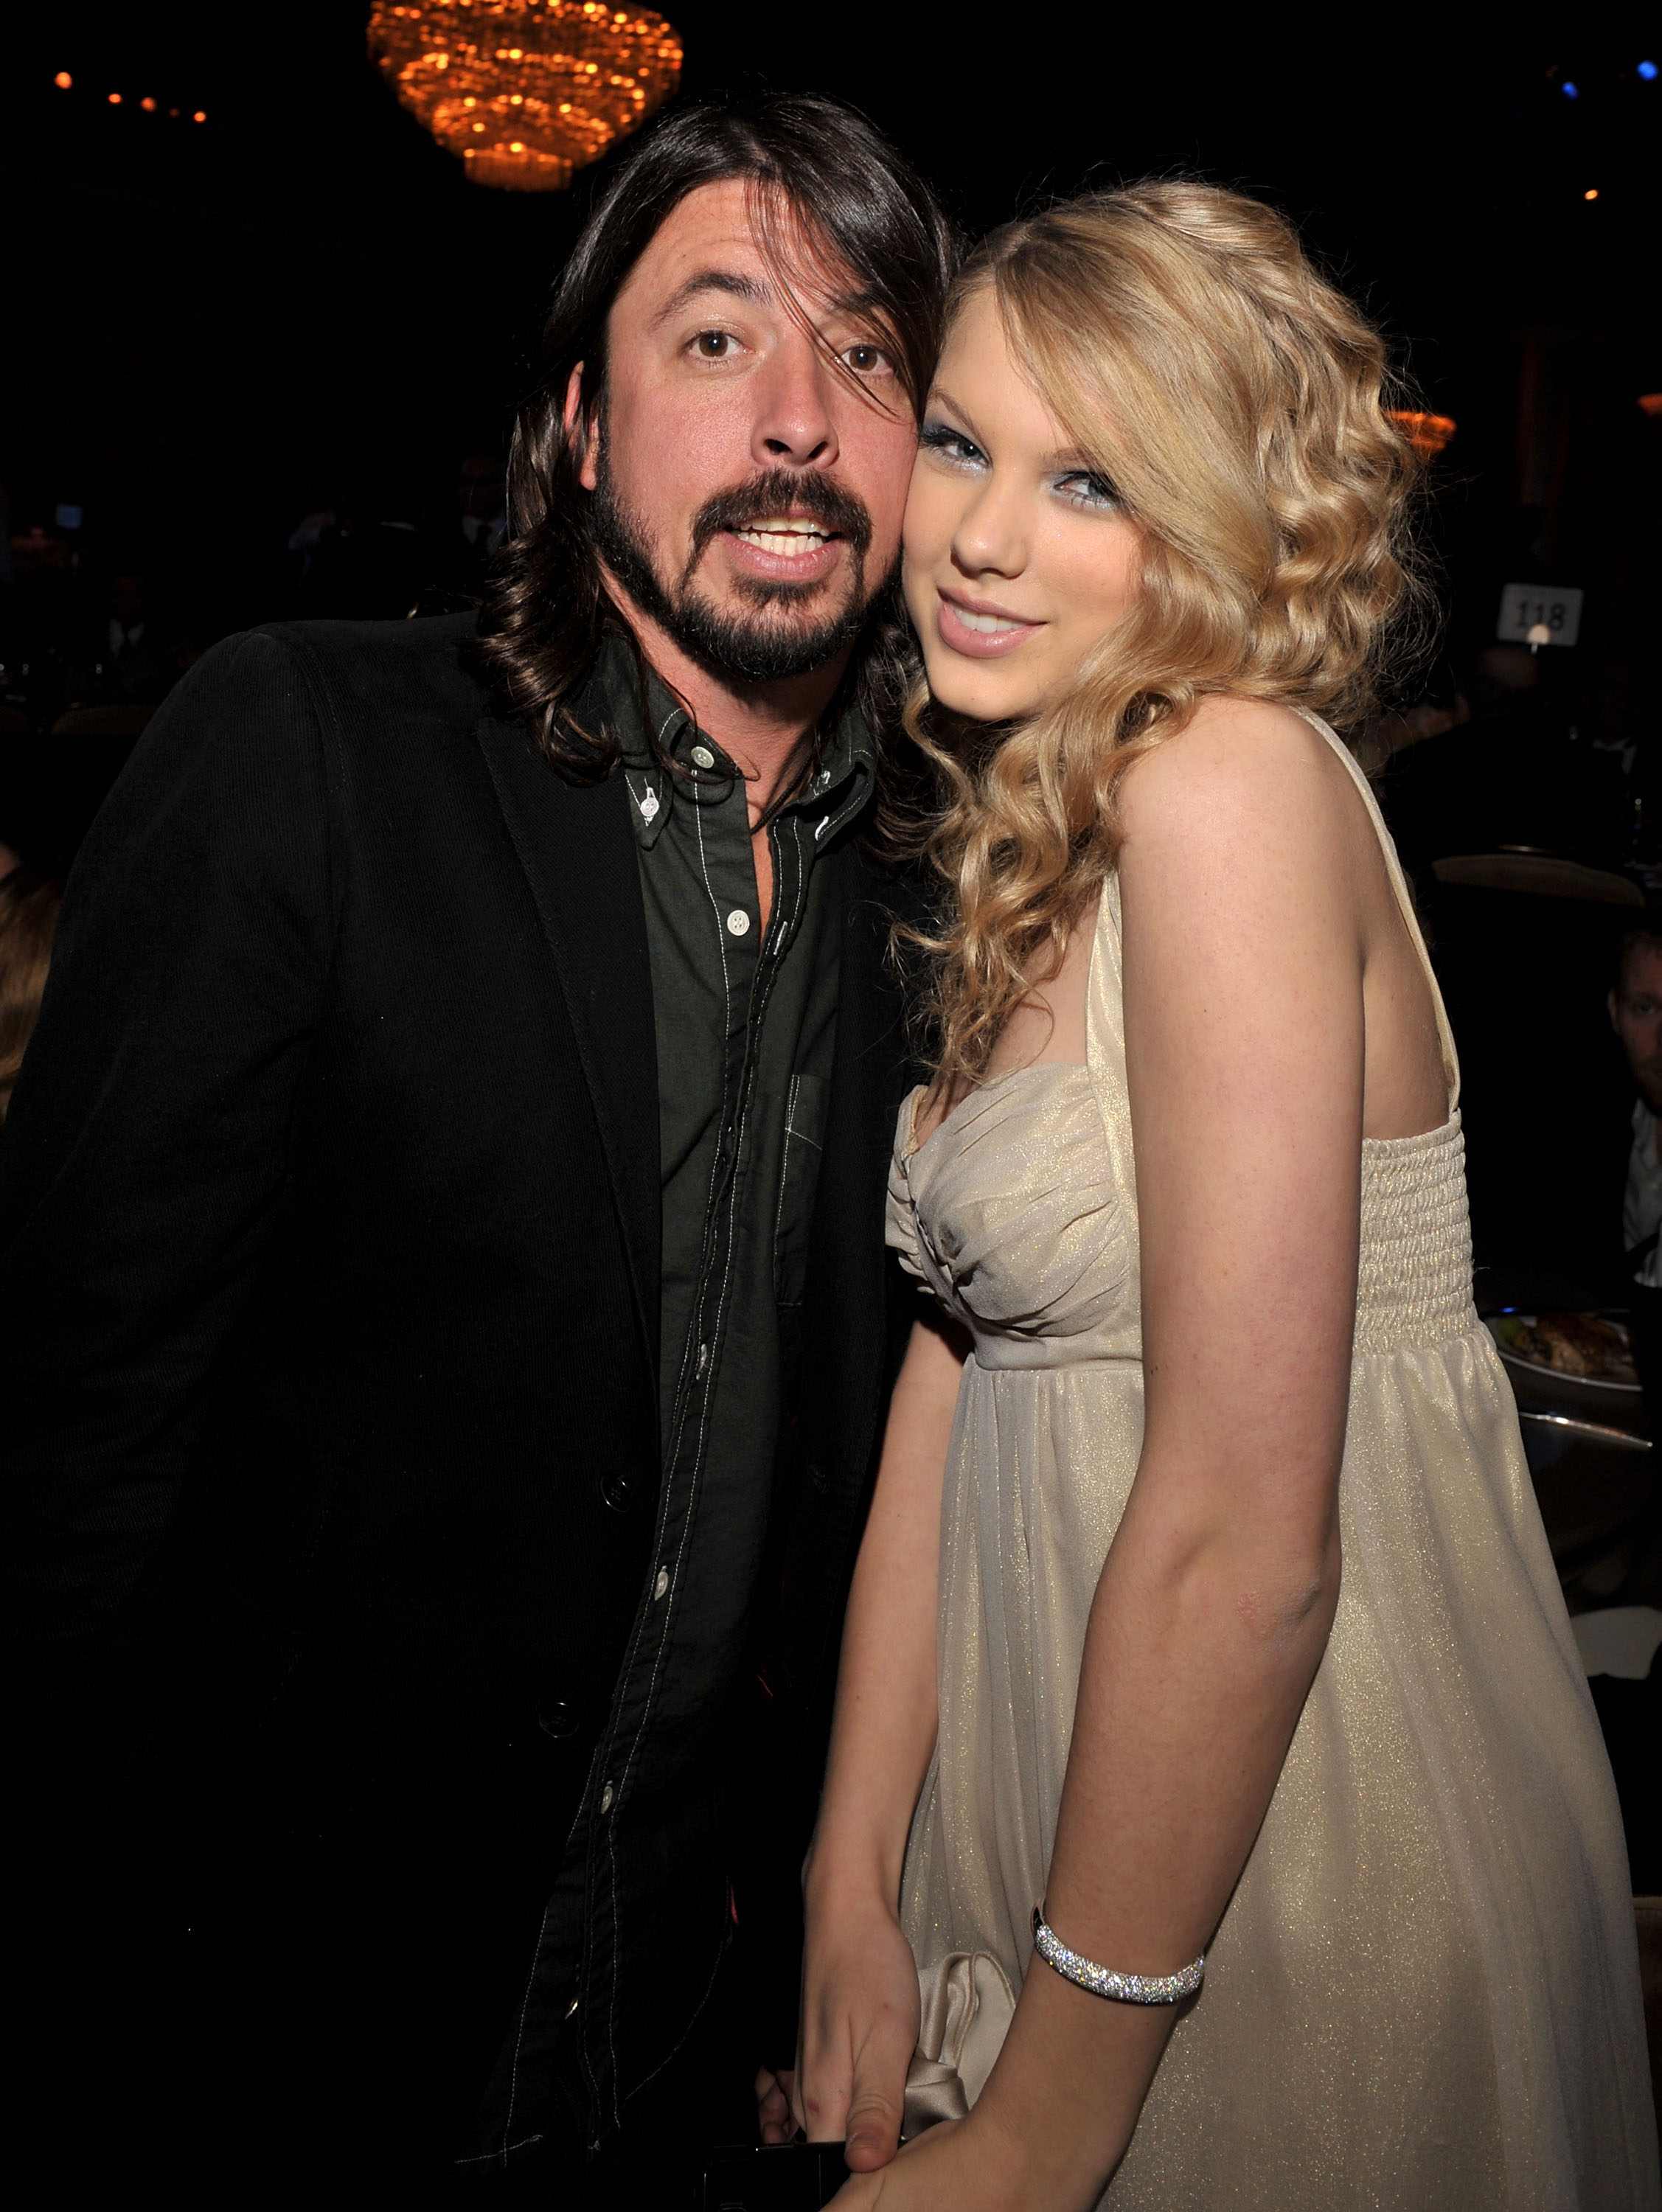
point(577, 849)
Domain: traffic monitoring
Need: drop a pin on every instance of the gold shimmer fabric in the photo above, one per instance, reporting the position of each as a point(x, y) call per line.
point(1425, 1991)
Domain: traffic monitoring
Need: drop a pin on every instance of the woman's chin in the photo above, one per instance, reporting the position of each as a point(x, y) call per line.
point(980, 692)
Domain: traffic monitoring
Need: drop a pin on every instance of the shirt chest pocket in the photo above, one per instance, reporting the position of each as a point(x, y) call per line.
point(799, 1178)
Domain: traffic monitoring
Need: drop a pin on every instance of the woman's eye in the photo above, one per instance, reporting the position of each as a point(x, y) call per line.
point(866, 359)
point(1085, 488)
point(952, 446)
point(714, 345)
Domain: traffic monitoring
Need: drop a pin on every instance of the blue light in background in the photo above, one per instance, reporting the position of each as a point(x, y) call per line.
point(1572, 91)
point(1648, 70)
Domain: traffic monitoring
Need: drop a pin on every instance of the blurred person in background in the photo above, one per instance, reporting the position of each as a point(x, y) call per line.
point(1495, 762)
point(45, 612)
point(125, 655)
point(459, 542)
point(481, 508)
point(355, 566)
point(29, 901)
point(1629, 1699)
point(1636, 1012)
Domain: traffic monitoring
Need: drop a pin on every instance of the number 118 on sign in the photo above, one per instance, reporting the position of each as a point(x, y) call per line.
point(1540, 614)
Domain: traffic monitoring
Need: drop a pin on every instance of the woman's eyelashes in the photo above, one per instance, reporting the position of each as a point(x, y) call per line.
point(951, 445)
point(1083, 488)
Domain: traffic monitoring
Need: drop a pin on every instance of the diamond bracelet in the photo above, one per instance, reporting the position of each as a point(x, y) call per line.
point(1102, 1982)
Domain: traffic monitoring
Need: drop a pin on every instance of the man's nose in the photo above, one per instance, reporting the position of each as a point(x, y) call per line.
point(794, 425)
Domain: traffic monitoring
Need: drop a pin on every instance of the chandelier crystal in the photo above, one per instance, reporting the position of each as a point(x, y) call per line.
point(526, 91)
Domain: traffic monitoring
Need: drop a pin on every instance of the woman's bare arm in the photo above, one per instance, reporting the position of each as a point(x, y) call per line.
point(1243, 961)
point(860, 1983)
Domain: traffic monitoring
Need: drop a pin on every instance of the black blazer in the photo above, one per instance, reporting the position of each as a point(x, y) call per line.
point(329, 1280)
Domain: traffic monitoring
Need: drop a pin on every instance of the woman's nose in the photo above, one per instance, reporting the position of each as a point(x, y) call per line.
point(992, 536)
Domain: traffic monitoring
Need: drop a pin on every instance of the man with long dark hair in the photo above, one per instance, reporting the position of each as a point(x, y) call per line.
point(440, 1261)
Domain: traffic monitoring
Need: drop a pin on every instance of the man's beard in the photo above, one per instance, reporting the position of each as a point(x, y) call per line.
point(749, 645)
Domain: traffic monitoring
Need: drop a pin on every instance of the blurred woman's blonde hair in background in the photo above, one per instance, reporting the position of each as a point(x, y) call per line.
point(1186, 344)
point(28, 919)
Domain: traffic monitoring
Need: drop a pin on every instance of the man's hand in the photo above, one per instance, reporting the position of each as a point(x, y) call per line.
point(860, 2020)
point(774, 2115)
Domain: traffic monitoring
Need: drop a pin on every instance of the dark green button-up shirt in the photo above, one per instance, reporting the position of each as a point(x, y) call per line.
point(746, 1023)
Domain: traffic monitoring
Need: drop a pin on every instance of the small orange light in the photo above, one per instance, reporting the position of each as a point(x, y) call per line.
point(63, 80)
point(1590, 195)
point(149, 105)
point(173, 111)
point(1650, 402)
point(199, 117)
point(1427, 433)
point(115, 100)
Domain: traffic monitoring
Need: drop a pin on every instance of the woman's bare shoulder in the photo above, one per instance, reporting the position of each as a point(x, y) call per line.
point(1240, 768)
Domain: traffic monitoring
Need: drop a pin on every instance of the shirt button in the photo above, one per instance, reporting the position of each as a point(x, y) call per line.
point(605, 1798)
point(702, 756)
point(558, 1720)
point(738, 922)
point(661, 1587)
point(617, 1490)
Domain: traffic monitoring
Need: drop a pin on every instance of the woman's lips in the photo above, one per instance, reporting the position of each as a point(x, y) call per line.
point(980, 635)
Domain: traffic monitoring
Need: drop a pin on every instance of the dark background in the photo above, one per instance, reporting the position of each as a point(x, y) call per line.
point(215, 330)
point(211, 328)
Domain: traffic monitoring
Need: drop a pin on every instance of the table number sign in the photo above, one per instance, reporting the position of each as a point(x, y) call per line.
point(1540, 614)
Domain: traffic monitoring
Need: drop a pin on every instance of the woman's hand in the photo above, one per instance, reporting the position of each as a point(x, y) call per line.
point(860, 2019)
point(960, 2166)
point(931, 2171)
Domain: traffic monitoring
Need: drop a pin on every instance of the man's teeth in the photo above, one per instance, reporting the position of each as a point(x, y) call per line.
point(990, 624)
point(787, 537)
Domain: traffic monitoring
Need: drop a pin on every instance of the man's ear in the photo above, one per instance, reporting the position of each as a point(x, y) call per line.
point(582, 428)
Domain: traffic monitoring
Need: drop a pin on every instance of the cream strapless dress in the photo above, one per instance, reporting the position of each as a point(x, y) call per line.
point(1425, 1992)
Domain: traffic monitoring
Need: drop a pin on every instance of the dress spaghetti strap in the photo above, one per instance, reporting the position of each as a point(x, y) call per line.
point(1404, 901)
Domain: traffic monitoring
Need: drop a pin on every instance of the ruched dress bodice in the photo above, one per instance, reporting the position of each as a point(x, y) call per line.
point(1424, 1993)
point(1022, 1235)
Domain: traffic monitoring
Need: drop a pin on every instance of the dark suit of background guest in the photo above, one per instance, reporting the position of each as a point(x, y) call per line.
point(329, 1210)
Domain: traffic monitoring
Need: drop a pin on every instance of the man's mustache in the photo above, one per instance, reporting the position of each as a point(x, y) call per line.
point(778, 492)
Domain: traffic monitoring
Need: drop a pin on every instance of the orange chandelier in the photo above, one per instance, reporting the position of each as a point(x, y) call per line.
point(526, 91)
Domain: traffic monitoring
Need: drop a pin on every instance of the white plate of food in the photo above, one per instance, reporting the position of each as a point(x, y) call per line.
point(1582, 1351)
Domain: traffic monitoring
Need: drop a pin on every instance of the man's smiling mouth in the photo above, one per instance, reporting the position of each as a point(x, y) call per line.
point(787, 537)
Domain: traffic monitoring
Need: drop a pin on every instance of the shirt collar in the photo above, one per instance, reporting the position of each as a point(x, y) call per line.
point(834, 794)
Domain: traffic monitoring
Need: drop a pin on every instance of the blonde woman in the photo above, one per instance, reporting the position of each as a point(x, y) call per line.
point(1217, 1813)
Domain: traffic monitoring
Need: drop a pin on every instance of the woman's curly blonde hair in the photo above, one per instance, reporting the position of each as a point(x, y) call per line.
point(1238, 401)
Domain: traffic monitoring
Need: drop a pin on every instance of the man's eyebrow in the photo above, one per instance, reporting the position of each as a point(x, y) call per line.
point(735, 285)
